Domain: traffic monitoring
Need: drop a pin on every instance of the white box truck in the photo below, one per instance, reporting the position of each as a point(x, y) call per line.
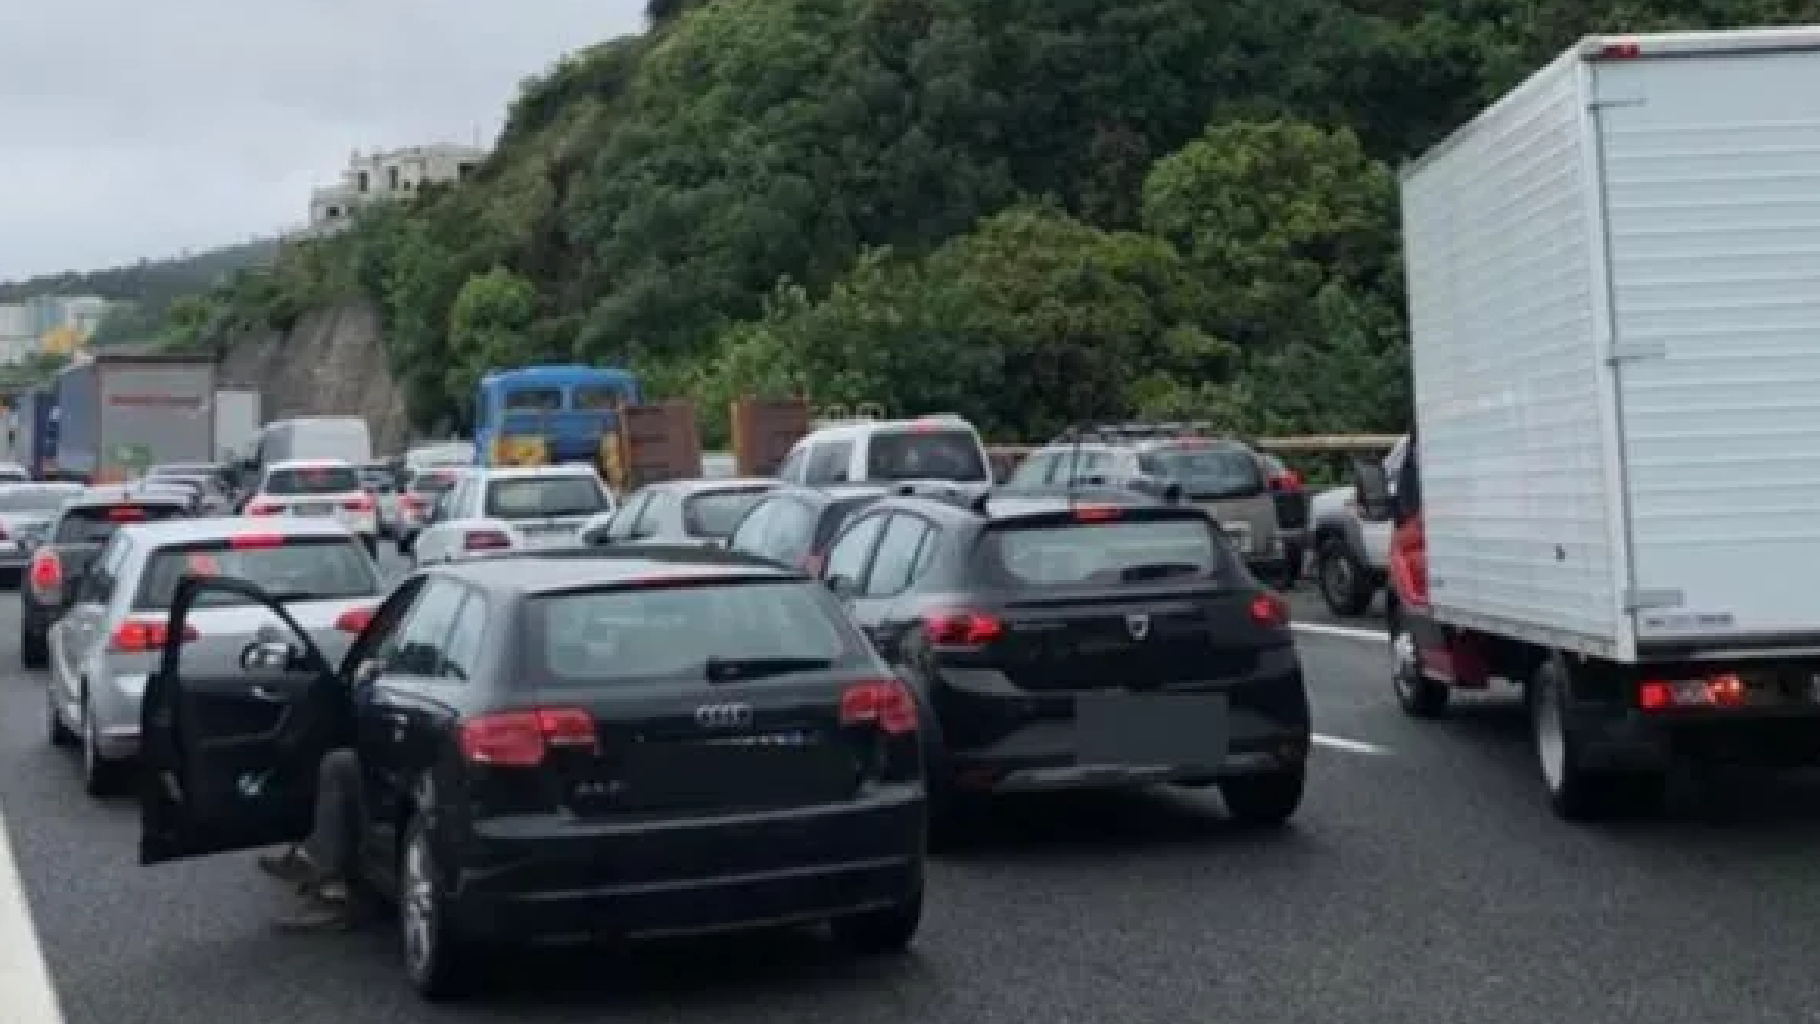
point(1614, 301)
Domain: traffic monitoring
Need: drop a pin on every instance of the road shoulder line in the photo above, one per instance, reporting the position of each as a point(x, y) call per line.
point(26, 991)
point(1350, 632)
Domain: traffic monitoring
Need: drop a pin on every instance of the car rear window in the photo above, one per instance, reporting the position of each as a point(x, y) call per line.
point(716, 513)
point(94, 524)
point(1102, 553)
point(312, 480)
point(296, 569)
point(601, 636)
point(1218, 472)
point(948, 453)
point(542, 497)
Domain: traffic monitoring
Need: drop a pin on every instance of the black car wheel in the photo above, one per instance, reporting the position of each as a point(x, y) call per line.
point(1346, 584)
point(435, 958)
point(1267, 798)
point(885, 930)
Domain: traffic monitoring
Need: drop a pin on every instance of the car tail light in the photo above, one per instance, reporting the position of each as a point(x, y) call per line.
point(142, 636)
point(261, 508)
point(1269, 610)
point(355, 620)
point(1096, 513)
point(485, 540)
point(1620, 51)
point(1288, 480)
point(363, 503)
point(521, 739)
point(255, 541)
point(1725, 690)
point(125, 514)
point(410, 502)
point(884, 703)
point(962, 629)
point(46, 572)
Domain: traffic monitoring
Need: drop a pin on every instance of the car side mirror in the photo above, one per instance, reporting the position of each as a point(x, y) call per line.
point(265, 658)
point(1371, 491)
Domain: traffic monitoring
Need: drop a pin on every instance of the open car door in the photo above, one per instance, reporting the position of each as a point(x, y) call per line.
point(223, 751)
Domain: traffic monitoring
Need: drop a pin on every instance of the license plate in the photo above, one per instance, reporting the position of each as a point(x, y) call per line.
point(728, 774)
point(1165, 729)
point(313, 510)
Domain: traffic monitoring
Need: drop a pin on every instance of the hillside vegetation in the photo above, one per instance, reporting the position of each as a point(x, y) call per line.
point(1026, 211)
point(146, 289)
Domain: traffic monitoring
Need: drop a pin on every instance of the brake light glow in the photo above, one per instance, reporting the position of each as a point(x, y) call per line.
point(125, 514)
point(521, 739)
point(1269, 610)
point(1724, 691)
point(363, 503)
point(1288, 480)
point(1621, 51)
point(355, 620)
point(1096, 513)
point(255, 541)
point(260, 508)
point(967, 630)
point(46, 572)
point(142, 636)
point(485, 540)
point(884, 703)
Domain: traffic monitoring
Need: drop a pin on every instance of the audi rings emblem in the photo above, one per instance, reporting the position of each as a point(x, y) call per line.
point(724, 716)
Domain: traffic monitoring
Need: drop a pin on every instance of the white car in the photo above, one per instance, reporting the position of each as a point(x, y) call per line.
point(491, 510)
point(322, 488)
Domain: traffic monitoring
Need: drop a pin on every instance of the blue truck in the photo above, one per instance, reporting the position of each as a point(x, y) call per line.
point(541, 415)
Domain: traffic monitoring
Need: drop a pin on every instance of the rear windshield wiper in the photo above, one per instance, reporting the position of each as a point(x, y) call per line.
point(721, 670)
point(1157, 571)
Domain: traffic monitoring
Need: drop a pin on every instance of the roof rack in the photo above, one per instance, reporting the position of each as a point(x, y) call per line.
point(1138, 430)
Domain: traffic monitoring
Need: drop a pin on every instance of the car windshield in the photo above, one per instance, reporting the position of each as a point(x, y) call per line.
point(312, 480)
point(716, 513)
point(300, 568)
point(674, 631)
point(950, 453)
point(1101, 553)
point(1225, 471)
point(29, 500)
point(94, 524)
point(541, 497)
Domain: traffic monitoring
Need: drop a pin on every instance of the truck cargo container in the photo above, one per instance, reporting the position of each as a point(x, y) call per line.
point(237, 424)
point(121, 414)
point(1613, 314)
point(35, 437)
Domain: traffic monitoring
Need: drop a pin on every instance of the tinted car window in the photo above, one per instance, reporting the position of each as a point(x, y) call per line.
point(303, 568)
point(750, 534)
point(1102, 553)
point(1220, 472)
point(539, 497)
point(848, 556)
point(432, 483)
point(714, 514)
point(942, 454)
point(94, 524)
point(312, 480)
point(896, 556)
point(829, 463)
point(582, 638)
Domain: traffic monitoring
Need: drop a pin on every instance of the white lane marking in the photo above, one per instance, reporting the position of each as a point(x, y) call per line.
point(1350, 746)
point(25, 981)
point(1350, 632)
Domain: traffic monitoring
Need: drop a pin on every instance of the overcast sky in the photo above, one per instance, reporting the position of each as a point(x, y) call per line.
point(142, 128)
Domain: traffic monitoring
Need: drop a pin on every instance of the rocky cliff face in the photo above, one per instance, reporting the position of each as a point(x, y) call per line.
point(332, 363)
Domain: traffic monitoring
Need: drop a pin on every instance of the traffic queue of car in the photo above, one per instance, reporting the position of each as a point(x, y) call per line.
point(714, 705)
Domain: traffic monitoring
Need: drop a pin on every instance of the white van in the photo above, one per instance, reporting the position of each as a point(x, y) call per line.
point(937, 447)
point(314, 437)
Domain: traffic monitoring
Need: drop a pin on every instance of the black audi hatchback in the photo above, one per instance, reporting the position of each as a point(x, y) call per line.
point(570, 746)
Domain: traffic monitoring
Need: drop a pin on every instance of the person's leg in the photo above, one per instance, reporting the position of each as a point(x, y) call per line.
point(331, 851)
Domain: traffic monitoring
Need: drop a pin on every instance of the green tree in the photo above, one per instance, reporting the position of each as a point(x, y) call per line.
point(487, 328)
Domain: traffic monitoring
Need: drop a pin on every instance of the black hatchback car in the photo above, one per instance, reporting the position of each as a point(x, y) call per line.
point(570, 745)
point(1084, 639)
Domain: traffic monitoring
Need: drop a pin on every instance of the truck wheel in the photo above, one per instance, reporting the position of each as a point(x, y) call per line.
point(1417, 694)
point(1346, 585)
point(1575, 791)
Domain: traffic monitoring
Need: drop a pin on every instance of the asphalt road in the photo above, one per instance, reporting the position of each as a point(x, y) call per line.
point(1423, 883)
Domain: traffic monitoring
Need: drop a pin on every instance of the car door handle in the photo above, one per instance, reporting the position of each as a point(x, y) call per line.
point(266, 693)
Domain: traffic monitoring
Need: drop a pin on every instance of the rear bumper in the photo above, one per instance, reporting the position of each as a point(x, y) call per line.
point(1267, 730)
point(1641, 741)
point(592, 882)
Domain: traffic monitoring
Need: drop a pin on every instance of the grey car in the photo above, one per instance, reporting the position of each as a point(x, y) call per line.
point(26, 510)
point(103, 648)
point(1224, 477)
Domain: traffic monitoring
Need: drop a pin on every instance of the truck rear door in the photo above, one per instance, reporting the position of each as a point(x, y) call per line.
point(1711, 211)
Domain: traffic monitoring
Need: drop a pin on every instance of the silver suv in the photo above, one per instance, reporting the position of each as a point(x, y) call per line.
point(1223, 476)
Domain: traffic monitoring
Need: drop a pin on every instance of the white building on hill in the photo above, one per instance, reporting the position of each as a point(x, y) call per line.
point(392, 174)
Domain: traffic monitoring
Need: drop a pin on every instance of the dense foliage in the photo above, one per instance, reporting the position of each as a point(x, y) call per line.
point(1025, 211)
point(147, 289)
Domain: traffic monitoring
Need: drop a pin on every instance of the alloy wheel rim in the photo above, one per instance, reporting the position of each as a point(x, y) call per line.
point(1338, 578)
point(417, 912)
point(1403, 662)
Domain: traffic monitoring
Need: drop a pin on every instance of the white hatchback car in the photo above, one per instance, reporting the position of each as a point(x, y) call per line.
point(491, 510)
point(320, 488)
